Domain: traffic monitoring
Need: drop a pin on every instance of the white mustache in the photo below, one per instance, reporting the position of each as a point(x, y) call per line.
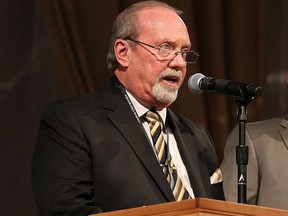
point(169, 72)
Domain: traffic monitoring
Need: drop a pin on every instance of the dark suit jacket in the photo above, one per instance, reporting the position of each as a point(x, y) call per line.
point(93, 156)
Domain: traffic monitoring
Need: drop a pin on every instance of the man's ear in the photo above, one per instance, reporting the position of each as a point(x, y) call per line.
point(122, 50)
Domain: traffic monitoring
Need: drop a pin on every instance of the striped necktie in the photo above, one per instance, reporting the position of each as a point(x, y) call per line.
point(164, 157)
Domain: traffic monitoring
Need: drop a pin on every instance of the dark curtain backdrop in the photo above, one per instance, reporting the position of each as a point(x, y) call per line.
point(232, 37)
point(52, 49)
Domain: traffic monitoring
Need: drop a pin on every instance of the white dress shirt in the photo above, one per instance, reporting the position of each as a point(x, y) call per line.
point(170, 140)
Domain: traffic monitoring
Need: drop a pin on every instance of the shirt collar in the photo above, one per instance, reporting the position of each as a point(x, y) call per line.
point(141, 110)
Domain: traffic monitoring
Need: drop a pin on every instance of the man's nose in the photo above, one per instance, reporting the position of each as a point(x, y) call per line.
point(178, 60)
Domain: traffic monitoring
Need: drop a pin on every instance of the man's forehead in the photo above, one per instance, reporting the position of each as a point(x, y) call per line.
point(158, 24)
point(157, 18)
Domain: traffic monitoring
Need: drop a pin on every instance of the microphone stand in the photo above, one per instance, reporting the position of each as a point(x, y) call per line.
point(242, 94)
point(242, 151)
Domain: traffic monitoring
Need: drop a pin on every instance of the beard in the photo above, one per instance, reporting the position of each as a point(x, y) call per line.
point(163, 93)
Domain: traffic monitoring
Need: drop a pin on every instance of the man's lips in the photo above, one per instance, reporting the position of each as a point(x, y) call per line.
point(171, 79)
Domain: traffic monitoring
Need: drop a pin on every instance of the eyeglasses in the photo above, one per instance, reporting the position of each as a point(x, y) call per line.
point(167, 52)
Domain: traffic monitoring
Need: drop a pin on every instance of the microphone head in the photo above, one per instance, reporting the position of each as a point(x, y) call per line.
point(194, 83)
point(253, 90)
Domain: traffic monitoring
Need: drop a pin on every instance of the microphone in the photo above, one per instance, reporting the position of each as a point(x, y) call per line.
point(198, 83)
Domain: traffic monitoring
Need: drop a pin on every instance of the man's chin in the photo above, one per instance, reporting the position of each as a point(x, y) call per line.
point(166, 97)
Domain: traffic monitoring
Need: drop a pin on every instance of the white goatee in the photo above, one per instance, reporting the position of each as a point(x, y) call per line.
point(163, 93)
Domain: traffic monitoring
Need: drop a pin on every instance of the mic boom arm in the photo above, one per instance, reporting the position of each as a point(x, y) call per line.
point(198, 83)
point(233, 89)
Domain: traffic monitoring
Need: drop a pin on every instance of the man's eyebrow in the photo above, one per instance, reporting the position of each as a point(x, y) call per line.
point(188, 45)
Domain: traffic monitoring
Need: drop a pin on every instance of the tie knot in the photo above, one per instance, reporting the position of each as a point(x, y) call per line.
point(152, 116)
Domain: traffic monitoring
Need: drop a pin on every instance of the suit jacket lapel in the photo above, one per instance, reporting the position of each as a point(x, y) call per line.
point(124, 119)
point(186, 145)
point(284, 131)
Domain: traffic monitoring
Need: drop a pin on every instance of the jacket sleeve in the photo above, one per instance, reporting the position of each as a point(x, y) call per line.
point(61, 167)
